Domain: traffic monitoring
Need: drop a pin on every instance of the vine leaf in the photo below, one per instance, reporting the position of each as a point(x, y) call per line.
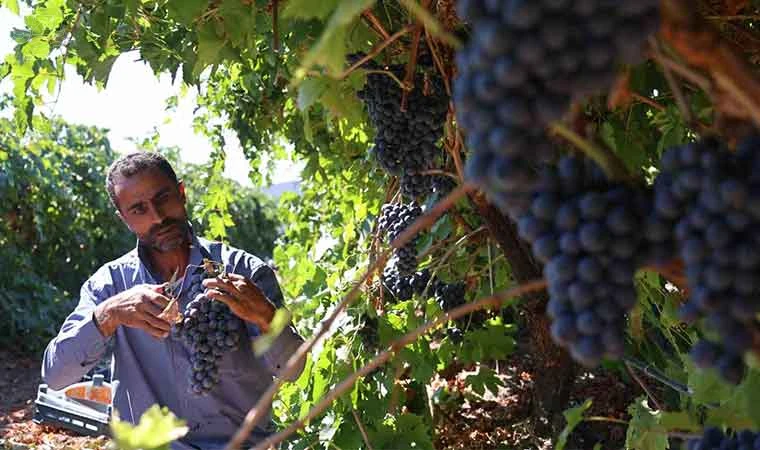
point(309, 9)
point(12, 5)
point(310, 91)
point(186, 11)
point(645, 431)
point(406, 431)
point(50, 16)
point(210, 47)
point(329, 51)
point(573, 416)
point(484, 380)
point(158, 427)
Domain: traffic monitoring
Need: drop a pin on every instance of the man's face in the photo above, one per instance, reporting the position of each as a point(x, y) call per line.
point(153, 207)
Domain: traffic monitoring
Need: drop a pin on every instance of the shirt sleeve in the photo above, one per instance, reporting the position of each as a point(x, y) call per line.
point(79, 344)
point(286, 344)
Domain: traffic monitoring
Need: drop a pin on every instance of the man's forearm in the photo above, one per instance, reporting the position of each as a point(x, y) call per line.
point(104, 318)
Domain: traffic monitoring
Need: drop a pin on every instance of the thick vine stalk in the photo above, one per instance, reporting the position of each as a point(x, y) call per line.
point(257, 412)
point(493, 301)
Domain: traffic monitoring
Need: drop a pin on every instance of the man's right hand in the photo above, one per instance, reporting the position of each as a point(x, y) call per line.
point(138, 307)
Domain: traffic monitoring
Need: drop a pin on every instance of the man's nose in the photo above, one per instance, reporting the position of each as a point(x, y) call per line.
point(156, 213)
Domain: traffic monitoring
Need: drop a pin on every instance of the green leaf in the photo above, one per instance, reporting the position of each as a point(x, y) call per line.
point(186, 11)
point(280, 321)
point(407, 431)
point(644, 429)
point(239, 22)
point(50, 16)
point(573, 416)
point(308, 9)
point(12, 5)
point(21, 36)
point(310, 91)
point(158, 427)
point(329, 50)
point(210, 47)
point(484, 380)
point(36, 48)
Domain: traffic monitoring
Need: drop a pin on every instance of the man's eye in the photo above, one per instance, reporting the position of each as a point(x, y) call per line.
point(138, 210)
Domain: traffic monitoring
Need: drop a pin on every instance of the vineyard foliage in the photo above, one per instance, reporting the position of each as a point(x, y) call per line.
point(58, 224)
point(288, 77)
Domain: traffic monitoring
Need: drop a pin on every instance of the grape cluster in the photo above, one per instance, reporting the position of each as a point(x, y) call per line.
point(709, 193)
point(442, 185)
point(525, 62)
point(210, 329)
point(394, 219)
point(450, 295)
point(406, 141)
point(587, 232)
point(404, 287)
point(714, 439)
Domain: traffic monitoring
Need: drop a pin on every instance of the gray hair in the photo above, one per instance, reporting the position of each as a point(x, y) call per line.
point(132, 164)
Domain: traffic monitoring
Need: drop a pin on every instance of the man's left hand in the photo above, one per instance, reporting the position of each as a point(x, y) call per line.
point(244, 298)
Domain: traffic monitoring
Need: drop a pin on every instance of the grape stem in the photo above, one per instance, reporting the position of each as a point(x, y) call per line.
point(659, 376)
point(361, 429)
point(375, 24)
point(493, 301)
point(643, 385)
point(412, 64)
point(675, 87)
point(608, 161)
point(433, 46)
point(257, 412)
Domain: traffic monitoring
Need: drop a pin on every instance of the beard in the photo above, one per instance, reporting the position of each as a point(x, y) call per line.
point(167, 236)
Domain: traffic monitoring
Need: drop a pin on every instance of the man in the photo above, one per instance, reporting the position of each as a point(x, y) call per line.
point(123, 301)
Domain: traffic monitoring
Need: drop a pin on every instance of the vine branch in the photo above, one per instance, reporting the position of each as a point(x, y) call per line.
point(375, 24)
point(257, 412)
point(379, 47)
point(411, 66)
point(493, 301)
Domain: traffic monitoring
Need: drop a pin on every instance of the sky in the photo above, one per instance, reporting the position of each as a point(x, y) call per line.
point(132, 104)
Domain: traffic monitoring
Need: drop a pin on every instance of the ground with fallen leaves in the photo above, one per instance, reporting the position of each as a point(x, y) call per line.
point(464, 419)
point(19, 378)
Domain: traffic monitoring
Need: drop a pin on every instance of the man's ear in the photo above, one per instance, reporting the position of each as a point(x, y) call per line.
point(181, 187)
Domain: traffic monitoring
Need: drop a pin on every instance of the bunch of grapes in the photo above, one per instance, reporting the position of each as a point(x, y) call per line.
point(406, 141)
point(525, 62)
point(709, 196)
point(211, 330)
point(450, 295)
point(587, 232)
point(442, 185)
point(394, 219)
point(404, 287)
point(714, 439)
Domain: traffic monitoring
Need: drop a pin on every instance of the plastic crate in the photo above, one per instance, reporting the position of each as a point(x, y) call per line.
point(69, 409)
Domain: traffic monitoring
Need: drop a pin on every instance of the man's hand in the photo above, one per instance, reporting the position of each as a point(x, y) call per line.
point(138, 307)
point(244, 298)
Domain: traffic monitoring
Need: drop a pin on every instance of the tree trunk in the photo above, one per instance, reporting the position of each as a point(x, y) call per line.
point(554, 369)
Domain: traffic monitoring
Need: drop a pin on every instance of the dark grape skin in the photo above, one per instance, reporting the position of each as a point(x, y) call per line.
point(406, 141)
point(210, 330)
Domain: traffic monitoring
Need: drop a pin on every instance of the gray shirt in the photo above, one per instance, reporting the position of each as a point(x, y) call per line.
point(153, 370)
